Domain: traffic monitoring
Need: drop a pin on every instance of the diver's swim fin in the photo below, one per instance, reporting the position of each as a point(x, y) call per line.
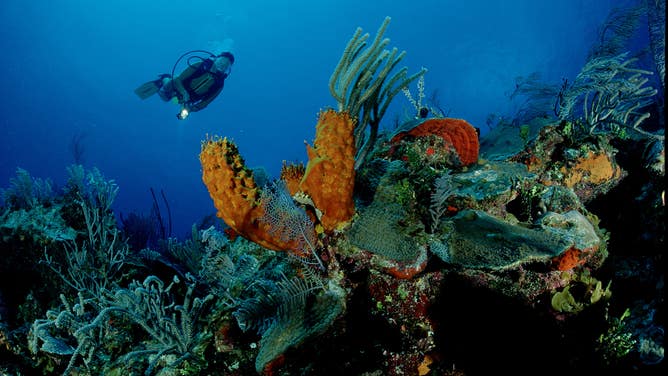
point(149, 88)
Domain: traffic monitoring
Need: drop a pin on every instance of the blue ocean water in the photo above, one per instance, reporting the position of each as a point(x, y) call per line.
point(69, 69)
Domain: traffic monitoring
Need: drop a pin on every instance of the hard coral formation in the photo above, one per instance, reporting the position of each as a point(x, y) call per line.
point(456, 133)
point(236, 195)
point(330, 173)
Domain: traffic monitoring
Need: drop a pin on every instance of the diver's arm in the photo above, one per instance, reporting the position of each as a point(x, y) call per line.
point(184, 96)
point(200, 105)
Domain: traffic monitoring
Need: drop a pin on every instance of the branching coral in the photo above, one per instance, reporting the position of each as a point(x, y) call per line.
point(362, 85)
point(93, 266)
point(613, 95)
point(656, 14)
point(422, 109)
point(188, 254)
point(618, 28)
point(47, 335)
point(25, 191)
point(92, 187)
point(539, 98)
point(228, 268)
point(43, 224)
point(173, 328)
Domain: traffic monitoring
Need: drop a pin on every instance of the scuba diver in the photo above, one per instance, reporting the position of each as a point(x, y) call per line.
point(198, 84)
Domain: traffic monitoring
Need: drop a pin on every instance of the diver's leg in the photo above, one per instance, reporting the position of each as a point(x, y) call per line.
point(166, 92)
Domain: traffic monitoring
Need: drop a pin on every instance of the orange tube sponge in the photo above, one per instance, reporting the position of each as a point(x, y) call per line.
point(236, 195)
point(330, 173)
point(292, 175)
point(456, 132)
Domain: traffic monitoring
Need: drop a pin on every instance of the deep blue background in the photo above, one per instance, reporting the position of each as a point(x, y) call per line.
point(69, 69)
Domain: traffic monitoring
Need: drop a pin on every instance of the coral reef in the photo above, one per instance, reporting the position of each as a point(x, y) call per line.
point(303, 308)
point(410, 256)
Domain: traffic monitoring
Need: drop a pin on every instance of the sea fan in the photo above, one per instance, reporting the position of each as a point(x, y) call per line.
point(379, 230)
point(287, 220)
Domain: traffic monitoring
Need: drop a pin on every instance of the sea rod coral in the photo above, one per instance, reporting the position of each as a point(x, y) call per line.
point(363, 87)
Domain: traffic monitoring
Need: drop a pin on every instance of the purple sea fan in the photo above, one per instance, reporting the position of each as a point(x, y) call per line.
point(287, 220)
